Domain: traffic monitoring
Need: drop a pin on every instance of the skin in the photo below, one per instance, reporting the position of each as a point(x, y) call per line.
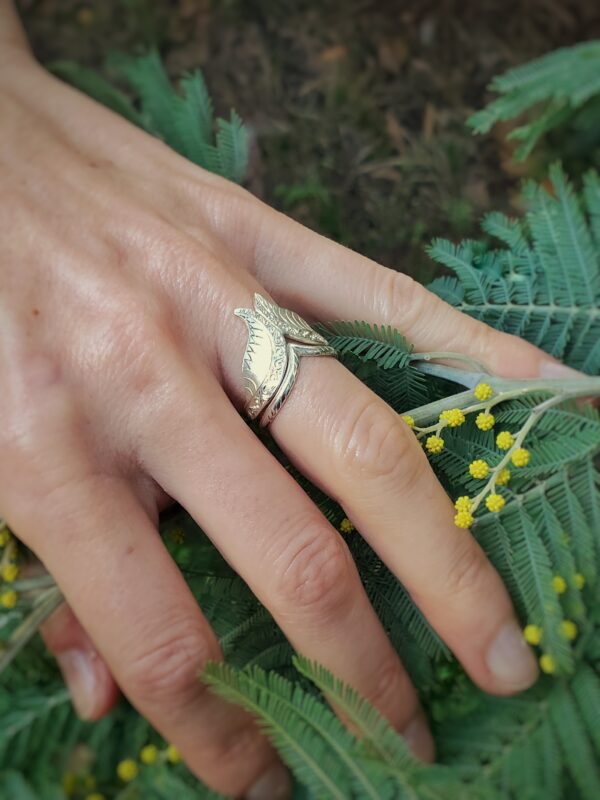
point(120, 359)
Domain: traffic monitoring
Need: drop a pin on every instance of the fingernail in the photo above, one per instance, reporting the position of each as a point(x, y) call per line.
point(274, 784)
point(80, 676)
point(554, 369)
point(419, 739)
point(510, 660)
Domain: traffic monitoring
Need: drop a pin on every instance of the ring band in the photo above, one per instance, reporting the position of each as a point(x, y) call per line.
point(277, 339)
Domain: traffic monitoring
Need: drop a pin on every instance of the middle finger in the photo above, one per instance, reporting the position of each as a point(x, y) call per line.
point(291, 557)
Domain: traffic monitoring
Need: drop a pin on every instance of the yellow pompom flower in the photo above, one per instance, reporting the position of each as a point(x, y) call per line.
point(532, 634)
point(453, 417)
point(410, 421)
point(495, 503)
point(505, 440)
point(483, 391)
point(479, 469)
point(177, 536)
point(520, 458)
point(10, 573)
point(503, 477)
point(485, 421)
point(346, 526)
point(463, 503)
point(547, 664)
point(579, 580)
point(568, 629)
point(559, 584)
point(8, 599)
point(463, 519)
point(127, 770)
point(149, 754)
point(434, 444)
point(173, 754)
point(69, 783)
point(4, 537)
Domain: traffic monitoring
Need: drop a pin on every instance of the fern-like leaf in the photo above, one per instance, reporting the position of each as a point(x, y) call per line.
point(557, 85)
point(383, 345)
point(544, 285)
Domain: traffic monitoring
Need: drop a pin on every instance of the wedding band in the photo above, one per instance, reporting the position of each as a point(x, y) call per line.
point(277, 339)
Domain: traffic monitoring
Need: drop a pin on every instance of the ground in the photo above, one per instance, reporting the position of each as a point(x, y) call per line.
point(357, 108)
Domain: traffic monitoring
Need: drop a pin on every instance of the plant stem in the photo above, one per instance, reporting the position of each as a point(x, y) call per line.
point(46, 604)
point(44, 581)
point(504, 389)
point(534, 416)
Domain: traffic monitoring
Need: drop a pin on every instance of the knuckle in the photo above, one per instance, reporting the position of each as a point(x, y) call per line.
point(43, 465)
point(315, 573)
point(414, 475)
point(370, 442)
point(130, 330)
point(37, 394)
point(391, 683)
point(467, 571)
point(167, 670)
point(492, 344)
point(403, 297)
point(224, 201)
point(485, 343)
point(132, 347)
point(237, 746)
point(482, 339)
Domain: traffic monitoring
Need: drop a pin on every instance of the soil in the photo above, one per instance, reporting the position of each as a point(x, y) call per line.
point(357, 108)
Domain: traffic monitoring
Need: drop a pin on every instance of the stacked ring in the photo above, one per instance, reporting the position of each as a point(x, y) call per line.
point(277, 339)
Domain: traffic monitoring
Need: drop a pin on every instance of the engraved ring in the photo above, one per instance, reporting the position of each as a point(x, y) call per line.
point(277, 338)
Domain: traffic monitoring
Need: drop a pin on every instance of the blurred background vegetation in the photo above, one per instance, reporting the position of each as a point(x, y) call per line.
point(356, 108)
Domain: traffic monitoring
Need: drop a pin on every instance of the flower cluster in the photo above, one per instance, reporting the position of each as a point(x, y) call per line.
point(485, 421)
point(128, 769)
point(84, 784)
point(346, 526)
point(495, 502)
point(453, 417)
point(520, 457)
point(434, 444)
point(463, 518)
point(479, 469)
point(505, 440)
point(81, 784)
point(483, 391)
point(9, 568)
point(534, 634)
point(497, 475)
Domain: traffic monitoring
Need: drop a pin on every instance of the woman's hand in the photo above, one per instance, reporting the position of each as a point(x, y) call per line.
point(120, 358)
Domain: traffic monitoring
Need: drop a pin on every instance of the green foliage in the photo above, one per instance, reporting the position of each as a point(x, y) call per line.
point(310, 738)
point(381, 344)
point(185, 121)
point(560, 86)
point(542, 284)
point(524, 746)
